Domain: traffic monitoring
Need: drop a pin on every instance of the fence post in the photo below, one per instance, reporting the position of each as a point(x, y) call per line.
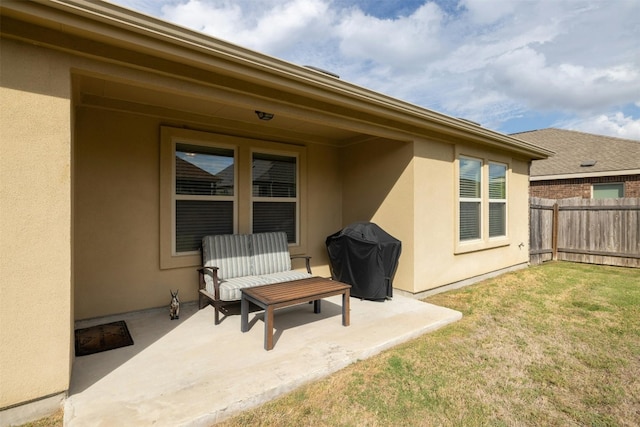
point(554, 232)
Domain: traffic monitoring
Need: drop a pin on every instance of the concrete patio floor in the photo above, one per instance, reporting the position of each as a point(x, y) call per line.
point(189, 372)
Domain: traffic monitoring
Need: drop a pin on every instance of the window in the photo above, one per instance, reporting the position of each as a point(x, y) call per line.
point(497, 200)
point(608, 191)
point(470, 198)
point(482, 203)
point(204, 194)
point(275, 194)
point(219, 184)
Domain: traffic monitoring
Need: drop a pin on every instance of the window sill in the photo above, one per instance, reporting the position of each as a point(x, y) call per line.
point(481, 245)
point(180, 261)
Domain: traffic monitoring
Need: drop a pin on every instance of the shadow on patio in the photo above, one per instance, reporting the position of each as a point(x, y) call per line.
point(191, 372)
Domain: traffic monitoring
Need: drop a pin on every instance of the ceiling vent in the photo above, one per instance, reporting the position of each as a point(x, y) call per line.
point(588, 163)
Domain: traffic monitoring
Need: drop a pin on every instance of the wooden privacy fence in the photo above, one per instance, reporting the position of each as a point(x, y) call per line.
point(594, 231)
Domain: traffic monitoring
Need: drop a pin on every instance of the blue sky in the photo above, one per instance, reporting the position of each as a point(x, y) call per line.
point(510, 65)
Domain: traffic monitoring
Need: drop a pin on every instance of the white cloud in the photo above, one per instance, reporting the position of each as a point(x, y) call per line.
point(488, 60)
point(613, 124)
point(525, 74)
point(481, 13)
point(290, 30)
point(404, 42)
point(149, 7)
point(287, 24)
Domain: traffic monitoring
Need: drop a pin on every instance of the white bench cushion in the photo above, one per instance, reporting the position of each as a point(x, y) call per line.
point(284, 276)
point(230, 253)
point(231, 289)
point(247, 260)
point(270, 253)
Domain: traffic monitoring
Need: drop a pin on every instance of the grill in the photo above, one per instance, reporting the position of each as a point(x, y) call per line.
point(366, 257)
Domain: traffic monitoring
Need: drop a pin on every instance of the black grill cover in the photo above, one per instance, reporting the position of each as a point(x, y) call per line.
point(366, 257)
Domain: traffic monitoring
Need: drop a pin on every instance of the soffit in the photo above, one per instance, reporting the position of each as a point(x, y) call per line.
point(215, 113)
point(98, 29)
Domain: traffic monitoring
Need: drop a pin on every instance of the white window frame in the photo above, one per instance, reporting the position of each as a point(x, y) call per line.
point(477, 200)
point(498, 201)
point(175, 197)
point(169, 136)
point(295, 199)
point(484, 242)
point(243, 194)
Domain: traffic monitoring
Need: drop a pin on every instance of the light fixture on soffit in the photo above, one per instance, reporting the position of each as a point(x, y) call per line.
point(264, 116)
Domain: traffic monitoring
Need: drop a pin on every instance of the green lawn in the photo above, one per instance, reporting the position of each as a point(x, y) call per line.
point(552, 345)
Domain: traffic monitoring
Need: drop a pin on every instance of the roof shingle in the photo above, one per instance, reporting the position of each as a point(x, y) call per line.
point(574, 149)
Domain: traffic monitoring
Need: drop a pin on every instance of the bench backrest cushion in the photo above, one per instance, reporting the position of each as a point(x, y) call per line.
point(231, 253)
point(270, 253)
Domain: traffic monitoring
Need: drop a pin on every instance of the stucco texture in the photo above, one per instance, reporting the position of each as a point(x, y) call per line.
point(83, 219)
point(35, 224)
point(117, 221)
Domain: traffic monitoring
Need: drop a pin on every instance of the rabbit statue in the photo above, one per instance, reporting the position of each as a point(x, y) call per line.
point(174, 307)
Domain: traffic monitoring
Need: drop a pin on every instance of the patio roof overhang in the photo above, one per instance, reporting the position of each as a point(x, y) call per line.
point(227, 83)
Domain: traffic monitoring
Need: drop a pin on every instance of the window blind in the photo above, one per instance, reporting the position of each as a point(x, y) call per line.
point(470, 173)
point(275, 197)
point(497, 200)
point(204, 182)
point(497, 181)
point(497, 219)
point(470, 181)
point(469, 220)
point(273, 175)
point(198, 218)
point(275, 216)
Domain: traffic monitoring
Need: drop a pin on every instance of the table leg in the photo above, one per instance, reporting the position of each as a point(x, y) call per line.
point(244, 314)
point(345, 308)
point(268, 328)
point(317, 306)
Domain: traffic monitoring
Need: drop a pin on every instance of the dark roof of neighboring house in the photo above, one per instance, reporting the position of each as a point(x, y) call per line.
point(188, 170)
point(580, 154)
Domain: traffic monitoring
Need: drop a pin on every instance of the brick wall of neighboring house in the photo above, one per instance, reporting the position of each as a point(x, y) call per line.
point(581, 187)
point(632, 186)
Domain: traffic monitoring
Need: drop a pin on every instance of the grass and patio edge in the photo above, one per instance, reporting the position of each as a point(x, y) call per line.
point(556, 344)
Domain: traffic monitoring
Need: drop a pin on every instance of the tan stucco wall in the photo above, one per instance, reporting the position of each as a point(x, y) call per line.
point(435, 214)
point(35, 224)
point(80, 185)
point(378, 186)
point(80, 233)
point(408, 188)
point(324, 203)
point(117, 260)
point(438, 263)
point(415, 201)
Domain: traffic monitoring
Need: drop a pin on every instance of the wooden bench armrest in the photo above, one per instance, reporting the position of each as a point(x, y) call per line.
point(207, 294)
point(213, 271)
point(307, 259)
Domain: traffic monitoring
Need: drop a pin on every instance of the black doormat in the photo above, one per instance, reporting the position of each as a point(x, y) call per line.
point(102, 338)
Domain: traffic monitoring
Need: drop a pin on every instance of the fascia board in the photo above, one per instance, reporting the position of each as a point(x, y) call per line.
point(585, 175)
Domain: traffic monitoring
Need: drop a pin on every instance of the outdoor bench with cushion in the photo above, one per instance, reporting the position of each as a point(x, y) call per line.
point(232, 262)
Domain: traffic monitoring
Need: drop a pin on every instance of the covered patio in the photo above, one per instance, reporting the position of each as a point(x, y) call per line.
point(188, 372)
point(111, 99)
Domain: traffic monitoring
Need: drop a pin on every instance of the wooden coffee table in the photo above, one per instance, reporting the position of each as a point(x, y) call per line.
point(278, 295)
